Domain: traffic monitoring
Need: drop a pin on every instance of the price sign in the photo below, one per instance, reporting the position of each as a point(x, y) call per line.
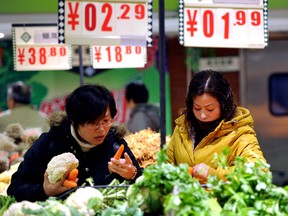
point(37, 48)
point(119, 56)
point(210, 26)
point(52, 57)
point(106, 22)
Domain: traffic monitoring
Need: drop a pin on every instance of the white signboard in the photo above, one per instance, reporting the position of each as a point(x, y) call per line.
point(119, 56)
point(37, 48)
point(106, 22)
point(224, 25)
point(257, 2)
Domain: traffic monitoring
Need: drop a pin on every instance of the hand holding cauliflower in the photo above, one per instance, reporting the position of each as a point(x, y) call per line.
point(59, 165)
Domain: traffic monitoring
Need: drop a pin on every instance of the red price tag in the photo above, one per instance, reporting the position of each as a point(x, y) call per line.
point(106, 23)
point(119, 56)
point(46, 57)
point(214, 27)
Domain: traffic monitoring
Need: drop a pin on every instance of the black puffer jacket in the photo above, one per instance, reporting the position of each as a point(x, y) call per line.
point(27, 182)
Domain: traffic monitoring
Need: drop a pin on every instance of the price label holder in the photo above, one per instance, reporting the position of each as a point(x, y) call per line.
point(223, 23)
point(105, 22)
point(118, 56)
point(35, 47)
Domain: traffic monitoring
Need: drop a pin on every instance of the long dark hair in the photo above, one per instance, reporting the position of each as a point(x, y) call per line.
point(89, 103)
point(213, 83)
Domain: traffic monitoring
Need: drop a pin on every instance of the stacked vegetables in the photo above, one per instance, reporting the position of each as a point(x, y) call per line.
point(165, 189)
point(145, 144)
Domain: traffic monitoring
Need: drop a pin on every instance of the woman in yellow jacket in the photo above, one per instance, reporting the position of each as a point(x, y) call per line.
point(210, 123)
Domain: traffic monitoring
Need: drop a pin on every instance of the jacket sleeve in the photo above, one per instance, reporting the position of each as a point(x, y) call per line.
point(27, 181)
point(170, 147)
point(246, 147)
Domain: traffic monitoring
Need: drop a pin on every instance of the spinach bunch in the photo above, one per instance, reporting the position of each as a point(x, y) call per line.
point(166, 188)
point(248, 190)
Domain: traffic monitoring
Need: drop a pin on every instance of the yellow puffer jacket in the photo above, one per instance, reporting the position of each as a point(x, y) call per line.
point(238, 134)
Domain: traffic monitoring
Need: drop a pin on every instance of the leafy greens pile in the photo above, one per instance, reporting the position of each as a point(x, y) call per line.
point(248, 189)
point(165, 188)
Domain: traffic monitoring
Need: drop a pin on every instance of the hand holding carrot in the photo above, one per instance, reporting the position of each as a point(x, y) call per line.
point(71, 180)
point(122, 166)
point(119, 152)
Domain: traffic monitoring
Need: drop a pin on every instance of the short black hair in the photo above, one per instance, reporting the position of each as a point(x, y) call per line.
point(136, 91)
point(88, 103)
point(19, 92)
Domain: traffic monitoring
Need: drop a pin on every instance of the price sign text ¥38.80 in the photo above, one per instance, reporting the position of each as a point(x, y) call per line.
point(42, 57)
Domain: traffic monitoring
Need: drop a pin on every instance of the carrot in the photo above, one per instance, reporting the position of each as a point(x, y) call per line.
point(69, 183)
point(119, 152)
point(190, 170)
point(73, 175)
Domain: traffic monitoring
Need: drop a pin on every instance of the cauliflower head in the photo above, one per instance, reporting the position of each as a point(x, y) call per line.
point(86, 200)
point(18, 207)
point(59, 165)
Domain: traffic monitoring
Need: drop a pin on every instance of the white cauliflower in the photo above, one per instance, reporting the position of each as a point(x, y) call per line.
point(59, 165)
point(86, 200)
point(54, 207)
point(16, 209)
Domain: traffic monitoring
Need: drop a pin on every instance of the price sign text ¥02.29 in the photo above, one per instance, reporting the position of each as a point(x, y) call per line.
point(104, 18)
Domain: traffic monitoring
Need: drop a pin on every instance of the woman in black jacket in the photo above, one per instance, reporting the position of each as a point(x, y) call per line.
point(87, 131)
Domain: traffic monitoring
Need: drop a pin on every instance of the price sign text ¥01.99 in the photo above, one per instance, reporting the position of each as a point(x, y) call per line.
point(214, 27)
point(105, 23)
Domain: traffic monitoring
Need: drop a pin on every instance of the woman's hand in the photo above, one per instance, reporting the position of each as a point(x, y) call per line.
point(123, 167)
point(200, 171)
point(56, 188)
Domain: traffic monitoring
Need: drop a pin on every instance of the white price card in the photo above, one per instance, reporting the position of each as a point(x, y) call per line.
point(109, 22)
point(36, 47)
point(44, 57)
point(227, 26)
point(119, 56)
point(223, 27)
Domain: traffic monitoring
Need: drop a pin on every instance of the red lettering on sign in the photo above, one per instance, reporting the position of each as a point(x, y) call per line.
point(73, 15)
point(107, 8)
point(256, 18)
point(42, 58)
point(98, 53)
point(208, 20)
point(90, 17)
point(241, 17)
point(21, 55)
point(225, 18)
point(32, 58)
point(140, 11)
point(192, 22)
point(118, 53)
point(126, 9)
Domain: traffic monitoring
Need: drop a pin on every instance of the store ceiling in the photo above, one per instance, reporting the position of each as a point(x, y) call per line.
point(277, 21)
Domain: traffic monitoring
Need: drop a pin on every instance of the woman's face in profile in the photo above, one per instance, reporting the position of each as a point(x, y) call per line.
point(206, 108)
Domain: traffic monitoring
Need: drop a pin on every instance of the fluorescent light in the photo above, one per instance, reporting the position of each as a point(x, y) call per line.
point(1, 35)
